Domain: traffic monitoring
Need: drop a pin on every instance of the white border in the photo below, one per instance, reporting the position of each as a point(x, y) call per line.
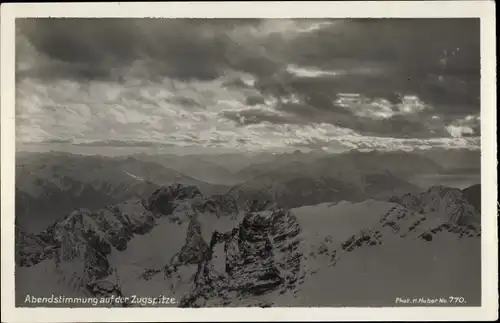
point(356, 9)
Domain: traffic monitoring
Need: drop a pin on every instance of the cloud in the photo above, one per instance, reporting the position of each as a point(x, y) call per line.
point(392, 144)
point(245, 84)
point(459, 131)
point(120, 143)
point(408, 118)
point(255, 116)
point(203, 48)
point(468, 126)
point(380, 109)
point(104, 48)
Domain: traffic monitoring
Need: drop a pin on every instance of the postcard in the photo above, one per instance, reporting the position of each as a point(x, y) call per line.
point(227, 161)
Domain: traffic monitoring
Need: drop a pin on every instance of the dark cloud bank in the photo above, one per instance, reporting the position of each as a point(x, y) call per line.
point(436, 60)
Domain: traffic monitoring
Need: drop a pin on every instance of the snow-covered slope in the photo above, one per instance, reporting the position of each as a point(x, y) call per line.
point(211, 252)
point(373, 252)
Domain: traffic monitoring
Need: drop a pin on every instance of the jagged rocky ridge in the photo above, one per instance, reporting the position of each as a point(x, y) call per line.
point(398, 223)
point(445, 200)
point(259, 256)
point(113, 225)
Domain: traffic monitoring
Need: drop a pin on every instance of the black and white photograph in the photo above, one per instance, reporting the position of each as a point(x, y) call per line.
point(248, 162)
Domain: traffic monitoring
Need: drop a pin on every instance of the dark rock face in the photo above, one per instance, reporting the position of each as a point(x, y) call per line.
point(162, 201)
point(261, 256)
point(222, 205)
point(195, 248)
point(409, 201)
point(81, 250)
point(473, 195)
point(32, 249)
point(118, 223)
point(364, 238)
point(253, 268)
point(113, 222)
point(461, 231)
point(81, 242)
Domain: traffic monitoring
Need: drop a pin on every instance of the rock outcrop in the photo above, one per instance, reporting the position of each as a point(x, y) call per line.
point(399, 224)
point(225, 253)
point(260, 256)
point(448, 202)
point(473, 196)
point(32, 248)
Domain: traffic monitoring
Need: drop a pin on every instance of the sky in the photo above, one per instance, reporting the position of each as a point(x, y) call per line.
point(248, 84)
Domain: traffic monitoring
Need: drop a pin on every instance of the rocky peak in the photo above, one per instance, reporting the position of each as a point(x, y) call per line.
point(163, 200)
point(113, 225)
point(261, 255)
point(31, 248)
point(82, 248)
point(250, 256)
point(409, 201)
point(222, 205)
point(473, 195)
point(449, 202)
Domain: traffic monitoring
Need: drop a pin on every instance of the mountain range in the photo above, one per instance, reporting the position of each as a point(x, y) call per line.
point(207, 251)
point(49, 185)
point(53, 184)
point(291, 229)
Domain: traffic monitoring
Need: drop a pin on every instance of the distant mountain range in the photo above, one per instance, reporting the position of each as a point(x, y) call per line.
point(198, 167)
point(49, 185)
point(454, 160)
point(399, 163)
point(206, 251)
